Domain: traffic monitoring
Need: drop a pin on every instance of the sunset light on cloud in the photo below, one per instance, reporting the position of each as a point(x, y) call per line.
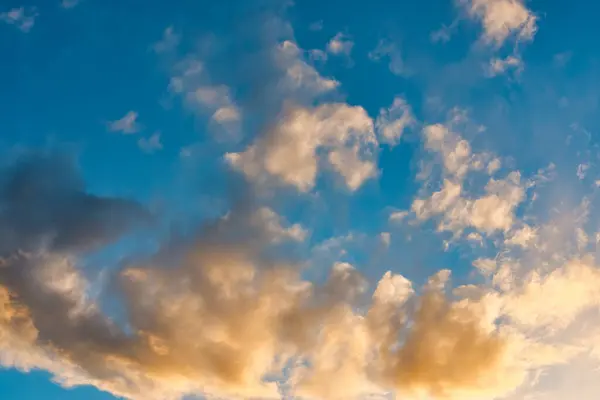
point(312, 200)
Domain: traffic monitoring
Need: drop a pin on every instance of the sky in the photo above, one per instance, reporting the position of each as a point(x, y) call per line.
point(276, 199)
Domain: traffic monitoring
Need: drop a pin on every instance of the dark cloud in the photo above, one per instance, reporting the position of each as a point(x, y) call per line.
point(43, 202)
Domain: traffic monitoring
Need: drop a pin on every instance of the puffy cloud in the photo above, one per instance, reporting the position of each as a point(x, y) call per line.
point(340, 44)
point(271, 222)
point(490, 213)
point(568, 291)
point(290, 152)
point(523, 237)
point(43, 202)
point(502, 19)
point(392, 122)
point(494, 166)
point(298, 75)
point(23, 18)
point(190, 80)
point(126, 125)
point(455, 152)
point(217, 101)
point(186, 306)
point(492, 209)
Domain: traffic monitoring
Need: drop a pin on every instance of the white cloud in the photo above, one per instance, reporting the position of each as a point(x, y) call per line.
point(217, 100)
point(169, 41)
point(340, 44)
point(69, 3)
point(455, 152)
point(290, 151)
point(494, 166)
point(458, 209)
point(206, 99)
point(267, 219)
point(126, 125)
point(151, 144)
point(398, 216)
point(490, 213)
point(386, 238)
point(21, 17)
point(440, 202)
point(386, 49)
point(392, 122)
point(300, 76)
point(502, 19)
point(582, 170)
point(523, 237)
point(500, 66)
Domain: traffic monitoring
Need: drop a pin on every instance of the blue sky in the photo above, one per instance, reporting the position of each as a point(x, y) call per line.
point(408, 136)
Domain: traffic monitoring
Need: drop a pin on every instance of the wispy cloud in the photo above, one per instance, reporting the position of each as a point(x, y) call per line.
point(340, 44)
point(151, 144)
point(388, 50)
point(21, 17)
point(316, 26)
point(169, 41)
point(499, 66)
point(126, 125)
point(70, 3)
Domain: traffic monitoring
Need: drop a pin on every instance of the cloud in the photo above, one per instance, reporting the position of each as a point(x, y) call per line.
point(443, 34)
point(298, 75)
point(318, 55)
point(392, 122)
point(217, 100)
point(69, 3)
point(169, 41)
point(340, 44)
point(502, 19)
point(398, 216)
point(582, 170)
point(386, 238)
point(386, 49)
point(151, 144)
point(44, 203)
point(190, 80)
point(490, 209)
point(186, 306)
point(21, 17)
point(560, 60)
point(290, 152)
point(500, 66)
point(316, 26)
point(492, 212)
point(271, 222)
point(126, 125)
